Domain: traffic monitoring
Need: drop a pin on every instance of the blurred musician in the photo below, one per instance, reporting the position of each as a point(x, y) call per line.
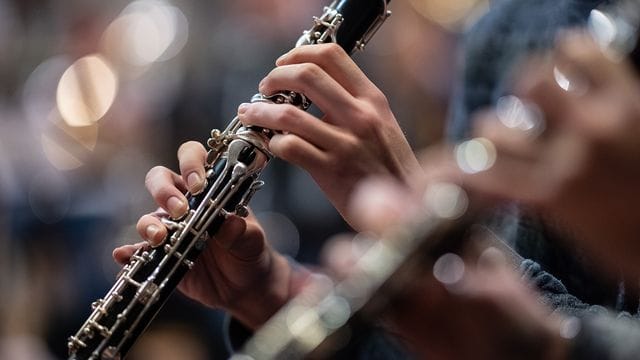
point(487, 313)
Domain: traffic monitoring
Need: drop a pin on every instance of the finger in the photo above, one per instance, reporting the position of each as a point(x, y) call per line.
point(290, 119)
point(334, 61)
point(151, 229)
point(510, 177)
point(537, 85)
point(310, 79)
point(296, 150)
point(192, 156)
point(122, 254)
point(496, 285)
point(506, 140)
point(577, 52)
point(165, 187)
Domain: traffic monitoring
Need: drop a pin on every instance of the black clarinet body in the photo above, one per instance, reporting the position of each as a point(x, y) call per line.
point(235, 160)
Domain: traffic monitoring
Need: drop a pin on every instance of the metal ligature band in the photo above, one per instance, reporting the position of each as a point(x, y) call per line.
point(235, 160)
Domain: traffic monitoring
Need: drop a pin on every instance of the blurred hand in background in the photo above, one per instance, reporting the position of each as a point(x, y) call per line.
point(569, 147)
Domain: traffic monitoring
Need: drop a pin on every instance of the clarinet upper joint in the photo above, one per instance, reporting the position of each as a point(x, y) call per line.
point(324, 29)
point(373, 29)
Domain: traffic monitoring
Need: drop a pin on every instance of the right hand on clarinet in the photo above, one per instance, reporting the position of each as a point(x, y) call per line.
point(464, 306)
point(358, 135)
point(237, 268)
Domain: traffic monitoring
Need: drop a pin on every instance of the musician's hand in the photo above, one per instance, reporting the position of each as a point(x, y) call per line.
point(238, 270)
point(488, 313)
point(583, 169)
point(358, 135)
point(474, 308)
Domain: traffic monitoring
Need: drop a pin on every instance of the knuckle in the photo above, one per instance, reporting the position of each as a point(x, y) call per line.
point(288, 114)
point(254, 111)
point(265, 84)
point(331, 50)
point(378, 97)
point(367, 122)
point(308, 72)
point(348, 147)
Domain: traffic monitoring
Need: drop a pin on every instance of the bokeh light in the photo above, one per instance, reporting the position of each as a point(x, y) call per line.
point(602, 28)
point(147, 31)
point(86, 91)
point(446, 200)
point(452, 15)
point(475, 155)
point(449, 269)
point(58, 155)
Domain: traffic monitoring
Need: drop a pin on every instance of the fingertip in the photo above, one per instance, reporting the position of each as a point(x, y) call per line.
point(247, 111)
point(155, 234)
point(122, 254)
point(192, 156)
point(151, 229)
point(242, 108)
point(282, 60)
point(117, 255)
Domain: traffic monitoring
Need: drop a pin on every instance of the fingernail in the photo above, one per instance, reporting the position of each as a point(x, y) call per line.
point(176, 207)
point(243, 108)
point(194, 181)
point(151, 232)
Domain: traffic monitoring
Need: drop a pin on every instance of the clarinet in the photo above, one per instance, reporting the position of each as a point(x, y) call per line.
point(235, 160)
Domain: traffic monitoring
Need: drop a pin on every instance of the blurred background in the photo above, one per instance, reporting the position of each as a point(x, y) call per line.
point(94, 93)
